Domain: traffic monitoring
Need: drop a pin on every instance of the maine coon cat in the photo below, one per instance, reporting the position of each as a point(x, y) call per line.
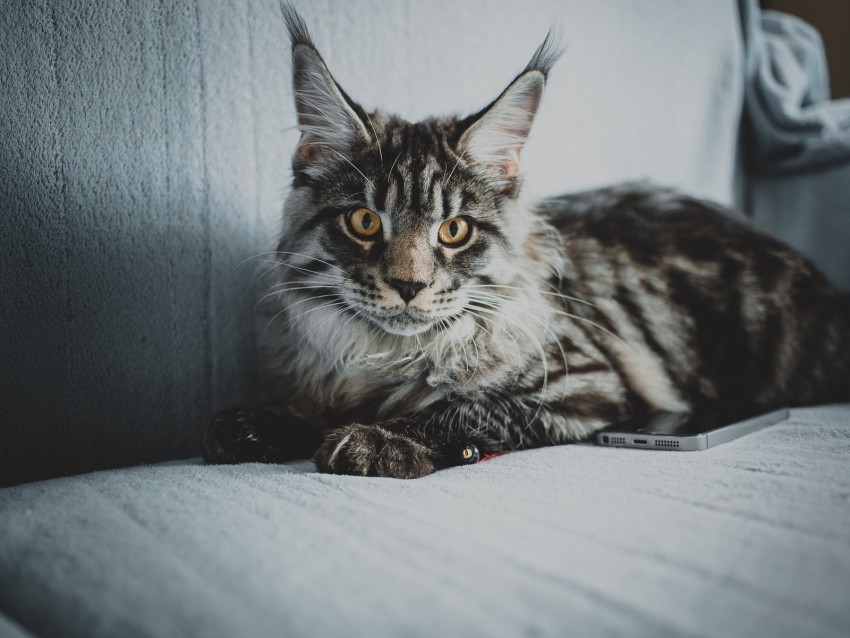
point(419, 305)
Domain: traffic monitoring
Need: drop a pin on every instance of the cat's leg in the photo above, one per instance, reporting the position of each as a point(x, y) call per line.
point(418, 444)
point(269, 434)
point(401, 448)
point(373, 450)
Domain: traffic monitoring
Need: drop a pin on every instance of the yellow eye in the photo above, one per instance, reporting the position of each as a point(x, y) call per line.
point(454, 232)
point(364, 223)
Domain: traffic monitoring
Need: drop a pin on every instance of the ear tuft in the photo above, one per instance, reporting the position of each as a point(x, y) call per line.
point(549, 52)
point(327, 117)
point(298, 32)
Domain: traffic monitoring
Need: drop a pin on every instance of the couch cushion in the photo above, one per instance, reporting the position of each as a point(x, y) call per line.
point(746, 539)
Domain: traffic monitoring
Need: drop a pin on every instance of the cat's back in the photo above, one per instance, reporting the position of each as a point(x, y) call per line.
point(727, 309)
point(650, 223)
point(638, 228)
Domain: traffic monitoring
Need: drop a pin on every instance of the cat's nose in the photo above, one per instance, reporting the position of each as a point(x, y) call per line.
point(406, 289)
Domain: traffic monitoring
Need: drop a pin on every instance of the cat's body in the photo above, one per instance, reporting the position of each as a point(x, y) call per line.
point(419, 305)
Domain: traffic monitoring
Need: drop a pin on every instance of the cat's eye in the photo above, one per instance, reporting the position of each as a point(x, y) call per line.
point(363, 223)
point(454, 232)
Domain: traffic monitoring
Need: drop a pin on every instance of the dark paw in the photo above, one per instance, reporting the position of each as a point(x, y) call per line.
point(245, 435)
point(369, 450)
point(232, 437)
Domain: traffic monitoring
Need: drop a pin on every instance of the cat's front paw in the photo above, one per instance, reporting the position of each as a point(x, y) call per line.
point(271, 434)
point(369, 450)
point(232, 437)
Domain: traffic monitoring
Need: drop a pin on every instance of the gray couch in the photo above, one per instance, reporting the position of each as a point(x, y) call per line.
point(144, 156)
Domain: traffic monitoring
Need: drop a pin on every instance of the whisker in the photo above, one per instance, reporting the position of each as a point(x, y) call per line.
point(291, 319)
point(377, 141)
point(306, 282)
point(345, 200)
point(268, 325)
point(315, 273)
point(327, 263)
point(530, 304)
point(394, 163)
point(477, 358)
point(300, 269)
point(300, 301)
point(352, 165)
point(459, 157)
point(375, 334)
point(333, 315)
point(343, 326)
point(542, 292)
point(546, 327)
point(495, 341)
point(291, 289)
point(284, 252)
point(535, 341)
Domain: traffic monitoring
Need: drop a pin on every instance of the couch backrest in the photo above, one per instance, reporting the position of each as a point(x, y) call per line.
point(144, 153)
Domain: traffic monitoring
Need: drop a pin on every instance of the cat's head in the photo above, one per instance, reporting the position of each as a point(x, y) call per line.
point(398, 222)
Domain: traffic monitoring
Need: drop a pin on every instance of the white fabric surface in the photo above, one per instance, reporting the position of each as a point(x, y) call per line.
point(751, 538)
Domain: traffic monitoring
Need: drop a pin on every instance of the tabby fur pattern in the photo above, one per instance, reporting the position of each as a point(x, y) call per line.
point(392, 352)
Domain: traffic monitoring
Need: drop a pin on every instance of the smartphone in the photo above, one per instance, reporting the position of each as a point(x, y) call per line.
point(684, 431)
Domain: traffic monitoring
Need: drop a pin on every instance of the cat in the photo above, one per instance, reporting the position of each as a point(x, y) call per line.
point(419, 305)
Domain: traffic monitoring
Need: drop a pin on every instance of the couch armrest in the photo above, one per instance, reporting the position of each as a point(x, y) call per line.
point(810, 211)
point(797, 141)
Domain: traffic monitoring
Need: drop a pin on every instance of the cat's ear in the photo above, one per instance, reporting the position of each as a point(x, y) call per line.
point(495, 136)
point(495, 139)
point(327, 117)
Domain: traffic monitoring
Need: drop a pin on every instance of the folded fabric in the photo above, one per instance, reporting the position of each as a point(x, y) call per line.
point(794, 124)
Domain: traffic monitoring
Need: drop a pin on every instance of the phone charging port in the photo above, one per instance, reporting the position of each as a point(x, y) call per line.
point(639, 441)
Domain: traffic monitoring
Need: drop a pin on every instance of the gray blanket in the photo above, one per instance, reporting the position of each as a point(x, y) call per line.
point(795, 125)
point(748, 539)
point(799, 142)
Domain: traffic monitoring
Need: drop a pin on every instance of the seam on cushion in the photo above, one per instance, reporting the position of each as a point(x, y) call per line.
point(169, 212)
point(249, 19)
point(64, 223)
point(209, 364)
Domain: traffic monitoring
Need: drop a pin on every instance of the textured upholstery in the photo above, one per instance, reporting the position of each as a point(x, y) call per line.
point(748, 539)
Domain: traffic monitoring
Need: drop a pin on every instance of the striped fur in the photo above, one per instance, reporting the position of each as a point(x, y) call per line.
point(550, 322)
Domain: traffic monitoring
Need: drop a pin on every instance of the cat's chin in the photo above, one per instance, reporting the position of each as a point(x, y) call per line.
point(402, 325)
point(403, 329)
point(407, 331)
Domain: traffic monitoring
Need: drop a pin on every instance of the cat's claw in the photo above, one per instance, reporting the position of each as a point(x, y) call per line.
point(369, 450)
